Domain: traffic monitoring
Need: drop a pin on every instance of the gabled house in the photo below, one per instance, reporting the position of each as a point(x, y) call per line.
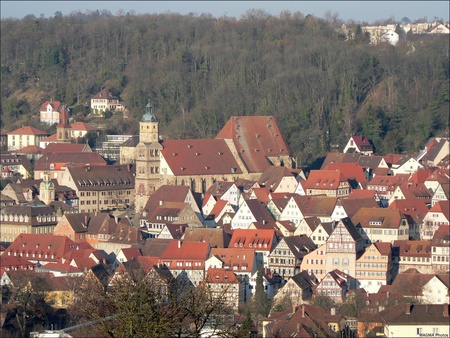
point(262, 241)
point(385, 186)
point(221, 207)
point(352, 172)
point(348, 207)
point(442, 193)
point(327, 182)
point(358, 144)
point(402, 164)
point(303, 321)
point(334, 285)
point(315, 262)
point(435, 150)
point(226, 287)
point(285, 259)
point(322, 232)
point(436, 178)
point(296, 290)
point(373, 165)
point(173, 231)
point(186, 260)
point(50, 111)
point(342, 248)
point(381, 224)
point(250, 211)
point(414, 210)
point(438, 215)
point(374, 267)
point(226, 191)
point(278, 180)
point(410, 190)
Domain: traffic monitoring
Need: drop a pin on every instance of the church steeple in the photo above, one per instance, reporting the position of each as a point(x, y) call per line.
point(149, 125)
point(63, 127)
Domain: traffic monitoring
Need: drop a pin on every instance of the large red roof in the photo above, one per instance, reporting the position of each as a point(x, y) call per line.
point(256, 138)
point(199, 157)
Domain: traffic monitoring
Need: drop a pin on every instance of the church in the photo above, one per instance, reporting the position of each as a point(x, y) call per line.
point(243, 149)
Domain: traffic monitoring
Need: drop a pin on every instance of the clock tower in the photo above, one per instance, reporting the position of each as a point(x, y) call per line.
point(148, 152)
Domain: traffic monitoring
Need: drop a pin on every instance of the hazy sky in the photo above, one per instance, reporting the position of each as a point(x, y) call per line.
point(359, 11)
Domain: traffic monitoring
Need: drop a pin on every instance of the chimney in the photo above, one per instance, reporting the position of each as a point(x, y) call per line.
point(408, 308)
point(179, 244)
point(446, 310)
point(86, 220)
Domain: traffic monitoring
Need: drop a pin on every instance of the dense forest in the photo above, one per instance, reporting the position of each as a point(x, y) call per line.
point(198, 71)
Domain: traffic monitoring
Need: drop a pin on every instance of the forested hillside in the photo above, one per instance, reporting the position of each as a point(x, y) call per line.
point(199, 70)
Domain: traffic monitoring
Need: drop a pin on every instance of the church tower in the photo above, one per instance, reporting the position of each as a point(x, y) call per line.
point(47, 189)
point(63, 127)
point(148, 159)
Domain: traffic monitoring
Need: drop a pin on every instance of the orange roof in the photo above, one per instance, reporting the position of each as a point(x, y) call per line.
point(28, 131)
point(371, 218)
point(256, 139)
point(413, 207)
point(442, 206)
point(51, 138)
point(360, 193)
point(56, 105)
point(183, 250)
point(216, 275)
point(350, 170)
point(324, 179)
point(420, 176)
point(238, 259)
point(258, 239)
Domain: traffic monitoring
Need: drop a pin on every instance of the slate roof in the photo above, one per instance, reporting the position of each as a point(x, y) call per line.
point(256, 138)
point(303, 280)
point(199, 157)
point(133, 141)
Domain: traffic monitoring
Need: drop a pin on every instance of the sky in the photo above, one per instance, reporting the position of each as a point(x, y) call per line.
point(359, 11)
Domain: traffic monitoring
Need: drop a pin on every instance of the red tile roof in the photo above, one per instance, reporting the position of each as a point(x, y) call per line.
point(216, 275)
point(199, 157)
point(32, 149)
point(257, 239)
point(442, 206)
point(349, 171)
point(361, 141)
point(27, 130)
point(389, 218)
point(104, 94)
point(183, 250)
point(256, 138)
point(237, 259)
point(56, 105)
point(324, 179)
point(412, 207)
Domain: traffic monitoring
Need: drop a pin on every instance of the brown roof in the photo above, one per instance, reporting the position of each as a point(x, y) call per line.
point(199, 157)
point(62, 159)
point(255, 239)
point(316, 205)
point(216, 237)
point(441, 236)
point(369, 218)
point(412, 248)
point(153, 247)
point(336, 157)
point(31, 149)
point(167, 193)
point(65, 148)
point(216, 275)
point(350, 171)
point(28, 131)
point(83, 126)
point(104, 94)
point(256, 139)
point(108, 177)
point(272, 176)
point(414, 314)
point(353, 205)
point(413, 208)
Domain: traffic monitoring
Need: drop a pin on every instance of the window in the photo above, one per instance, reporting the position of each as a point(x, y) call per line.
point(419, 330)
